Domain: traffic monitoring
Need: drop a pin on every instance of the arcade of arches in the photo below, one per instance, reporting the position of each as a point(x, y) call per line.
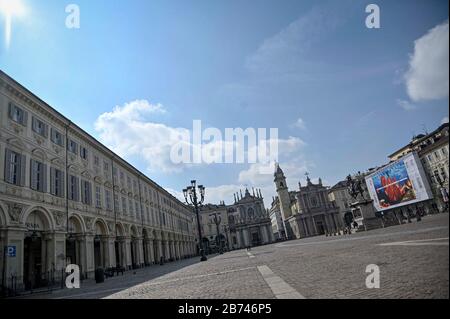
point(44, 242)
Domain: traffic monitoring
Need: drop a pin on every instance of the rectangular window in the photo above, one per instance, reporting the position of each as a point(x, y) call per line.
point(98, 197)
point(443, 174)
point(108, 199)
point(40, 127)
point(86, 192)
point(96, 160)
point(437, 155)
point(106, 166)
point(130, 205)
point(38, 176)
point(15, 168)
point(72, 147)
point(56, 182)
point(56, 137)
point(136, 206)
point(124, 205)
point(84, 153)
point(116, 203)
point(17, 114)
point(129, 183)
point(74, 188)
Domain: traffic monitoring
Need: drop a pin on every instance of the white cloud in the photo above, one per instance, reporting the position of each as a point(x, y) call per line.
point(129, 131)
point(406, 105)
point(428, 74)
point(300, 123)
point(444, 120)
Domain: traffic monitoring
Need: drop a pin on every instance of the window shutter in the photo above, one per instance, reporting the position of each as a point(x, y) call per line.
point(52, 135)
point(83, 192)
point(77, 189)
point(44, 179)
point(8, 165)
point(23, 165)
point(52, 181)
point(89, 193)
point(24, 118)
point(33, 174)
point(33, 124)
point(45, 130)
point(10, 110)
point(62, 189)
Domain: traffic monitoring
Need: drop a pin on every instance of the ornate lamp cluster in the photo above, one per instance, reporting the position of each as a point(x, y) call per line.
point(191, 198)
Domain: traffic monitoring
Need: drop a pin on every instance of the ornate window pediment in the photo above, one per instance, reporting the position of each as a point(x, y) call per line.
point(98, 179)
point(86, 174)
point(17, 143)
point(58, 162)
point(74, 169)
point(38, 153)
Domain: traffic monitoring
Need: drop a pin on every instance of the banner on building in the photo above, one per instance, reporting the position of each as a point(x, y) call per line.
point(400, 183)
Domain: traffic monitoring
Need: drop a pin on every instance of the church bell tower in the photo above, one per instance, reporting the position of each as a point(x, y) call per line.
point(283, 192)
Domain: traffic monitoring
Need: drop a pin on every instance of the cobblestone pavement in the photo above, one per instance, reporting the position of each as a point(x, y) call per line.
point(413, 260)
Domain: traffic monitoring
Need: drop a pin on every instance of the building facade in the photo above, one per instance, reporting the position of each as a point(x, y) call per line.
point(433, 150)
point(245, 223)
point(340, 196)
point(278, 227)
point(308, 211)
point(67, 199)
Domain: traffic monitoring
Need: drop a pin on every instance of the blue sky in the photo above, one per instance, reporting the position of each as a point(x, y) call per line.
point(359, 93)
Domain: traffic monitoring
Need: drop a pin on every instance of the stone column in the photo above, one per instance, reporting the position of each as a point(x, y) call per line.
point(111, 261)
point(167, 249)
point(127, 253)
point(160, 250)
point(140, 246)
point(265, 235)
point(246, 237)
point(151, 253)
point(14, 265)
point(238, 239)
point(89, 249)
point(314, 225)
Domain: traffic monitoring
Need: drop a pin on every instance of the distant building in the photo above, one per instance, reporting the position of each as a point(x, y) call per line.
point(308, 211)
point(242, 224)
point(433, 150)
point(278, 227)
point(339, 195)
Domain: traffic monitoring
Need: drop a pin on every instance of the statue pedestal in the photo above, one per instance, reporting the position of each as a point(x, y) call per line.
point(364, 214)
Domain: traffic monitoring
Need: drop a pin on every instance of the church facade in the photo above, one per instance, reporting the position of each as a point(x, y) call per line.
point(306, 212)
point(245, 223)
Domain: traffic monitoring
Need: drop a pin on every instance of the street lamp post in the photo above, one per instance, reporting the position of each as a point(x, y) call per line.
point(190, 195)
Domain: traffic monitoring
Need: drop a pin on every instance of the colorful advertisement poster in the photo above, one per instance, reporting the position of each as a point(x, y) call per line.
point(400, 183)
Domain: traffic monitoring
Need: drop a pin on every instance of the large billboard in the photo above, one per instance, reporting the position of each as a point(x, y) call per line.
point(401, 183)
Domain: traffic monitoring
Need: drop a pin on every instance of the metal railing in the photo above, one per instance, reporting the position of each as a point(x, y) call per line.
point(14, 285)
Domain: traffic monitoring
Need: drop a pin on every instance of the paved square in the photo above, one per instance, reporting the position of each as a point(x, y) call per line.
point(413, 260)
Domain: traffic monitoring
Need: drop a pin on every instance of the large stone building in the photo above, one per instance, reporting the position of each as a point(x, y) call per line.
point(433, 150)
point(66, 198)
point(340, 196)
point(278, 228)
point(308, 211)
point(245, 223)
